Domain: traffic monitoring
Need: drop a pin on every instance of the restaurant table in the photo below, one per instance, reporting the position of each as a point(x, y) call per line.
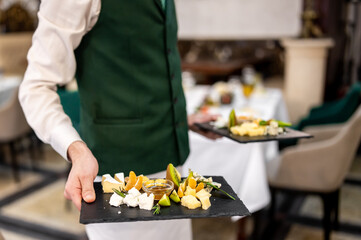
point(242, 165)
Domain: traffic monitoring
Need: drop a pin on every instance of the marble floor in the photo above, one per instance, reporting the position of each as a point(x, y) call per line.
point(35, 208)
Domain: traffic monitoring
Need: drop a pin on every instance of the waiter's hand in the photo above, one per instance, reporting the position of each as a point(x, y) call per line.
point(83, 172)
point(201, 118)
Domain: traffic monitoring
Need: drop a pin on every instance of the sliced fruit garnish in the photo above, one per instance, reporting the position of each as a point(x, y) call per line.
point(164, 201)
point(173, 175)
point(149, 182)
point(190, 175)
point(174, 196)
point(139, 182)
point(232, 119)
point(132, 180)
point(183, 186)
point(160, 182)
point(180, 192)
point(145, 179)
point(192, 183)
point(200, 187)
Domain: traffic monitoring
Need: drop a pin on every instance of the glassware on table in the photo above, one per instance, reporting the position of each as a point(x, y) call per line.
point(248, 82)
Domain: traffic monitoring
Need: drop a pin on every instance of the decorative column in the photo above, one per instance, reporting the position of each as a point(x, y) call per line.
point(305, 69)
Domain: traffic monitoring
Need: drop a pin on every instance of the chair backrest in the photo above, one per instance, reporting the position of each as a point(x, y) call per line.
point(343, 148)
point(12, 120)
point(338, 111)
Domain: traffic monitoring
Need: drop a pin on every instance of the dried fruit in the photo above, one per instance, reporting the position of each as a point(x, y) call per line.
point(200, 187)
point(192, 183)
point(132, 180)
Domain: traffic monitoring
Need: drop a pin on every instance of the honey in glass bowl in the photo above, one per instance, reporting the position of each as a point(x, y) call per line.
point(158, 187)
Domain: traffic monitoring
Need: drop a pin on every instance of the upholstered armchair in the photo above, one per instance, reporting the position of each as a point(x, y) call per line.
point(319, 166)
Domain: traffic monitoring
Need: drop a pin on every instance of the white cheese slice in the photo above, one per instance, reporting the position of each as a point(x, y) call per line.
point(108, 183)
point(119, 177)
point(105, 176)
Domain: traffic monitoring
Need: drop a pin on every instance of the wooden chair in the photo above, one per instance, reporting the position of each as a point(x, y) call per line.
point(13, 127)
point(319, 166)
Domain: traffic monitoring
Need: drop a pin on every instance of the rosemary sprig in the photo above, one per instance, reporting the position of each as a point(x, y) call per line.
point(118, 192)
point(217, 188)
point(156, 209)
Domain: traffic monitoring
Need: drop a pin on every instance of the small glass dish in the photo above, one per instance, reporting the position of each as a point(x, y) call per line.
point(158, 187)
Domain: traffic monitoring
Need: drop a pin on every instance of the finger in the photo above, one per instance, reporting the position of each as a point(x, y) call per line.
point(73, 192)
point(66, 194)
point(76, 198)
point(88, 192)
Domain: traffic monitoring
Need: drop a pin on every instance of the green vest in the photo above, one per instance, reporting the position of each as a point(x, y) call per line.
point(133, 110)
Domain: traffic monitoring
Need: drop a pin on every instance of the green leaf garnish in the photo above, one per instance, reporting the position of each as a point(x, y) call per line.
point(217, 188)
point(263, 123)
point(283, 124)
point(156, 209)
point(118, 192)
point(280, 123)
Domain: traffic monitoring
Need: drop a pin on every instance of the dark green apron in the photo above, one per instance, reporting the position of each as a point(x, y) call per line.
point(133, 110)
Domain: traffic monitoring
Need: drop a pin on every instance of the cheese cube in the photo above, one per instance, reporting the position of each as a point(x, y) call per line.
point(190, 202)
point(203, 193)
point(190, 191)
point(146, 202)
point(116, 200)
point(134, 192)
point(204, 196)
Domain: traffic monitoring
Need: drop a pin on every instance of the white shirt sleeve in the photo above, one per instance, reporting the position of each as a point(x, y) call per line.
point(62, 24)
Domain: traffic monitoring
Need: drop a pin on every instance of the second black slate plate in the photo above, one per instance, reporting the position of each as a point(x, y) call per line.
point(289, 134)
point(101, 212)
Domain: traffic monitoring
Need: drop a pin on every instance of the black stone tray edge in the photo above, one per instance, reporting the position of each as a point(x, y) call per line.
point(165, 218)
point(162, 217)
point(208, 127)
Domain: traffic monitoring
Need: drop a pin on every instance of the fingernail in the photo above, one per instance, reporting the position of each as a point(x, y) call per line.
point(88, 197)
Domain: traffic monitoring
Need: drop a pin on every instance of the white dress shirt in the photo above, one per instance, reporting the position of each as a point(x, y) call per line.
point(62, 24)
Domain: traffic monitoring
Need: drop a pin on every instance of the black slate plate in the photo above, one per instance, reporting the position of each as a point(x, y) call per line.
point(101, 212)
point(289, 134)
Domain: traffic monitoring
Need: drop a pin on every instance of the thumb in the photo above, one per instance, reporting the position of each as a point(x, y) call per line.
point(88, 192)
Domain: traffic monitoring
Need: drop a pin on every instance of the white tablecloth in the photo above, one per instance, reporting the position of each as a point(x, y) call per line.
point(242, 165)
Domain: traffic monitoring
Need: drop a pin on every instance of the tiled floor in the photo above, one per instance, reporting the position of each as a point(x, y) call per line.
point(8, 235)
point(350, 205)
point(299, 232)
point(47, 207)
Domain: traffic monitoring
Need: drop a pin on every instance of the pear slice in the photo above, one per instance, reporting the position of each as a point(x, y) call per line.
point(173, 175)
point(174, 196)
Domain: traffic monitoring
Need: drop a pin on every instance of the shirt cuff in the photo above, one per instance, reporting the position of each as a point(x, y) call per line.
point(62, 137)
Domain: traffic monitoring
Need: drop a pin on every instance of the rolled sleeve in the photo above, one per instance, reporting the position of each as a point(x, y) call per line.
point(51, 62)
